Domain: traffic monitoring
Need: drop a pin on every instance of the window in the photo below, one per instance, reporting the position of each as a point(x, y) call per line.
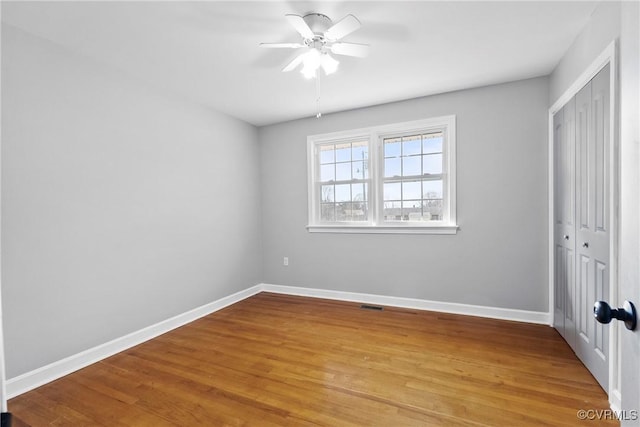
point(389, 179)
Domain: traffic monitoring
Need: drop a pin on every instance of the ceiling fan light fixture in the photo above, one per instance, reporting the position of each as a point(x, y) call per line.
point(308, 72)
point(329, 64)
point(315, 59)
point(310, 63)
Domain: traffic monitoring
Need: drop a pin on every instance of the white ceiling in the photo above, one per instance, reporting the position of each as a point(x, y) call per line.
point(208, 52)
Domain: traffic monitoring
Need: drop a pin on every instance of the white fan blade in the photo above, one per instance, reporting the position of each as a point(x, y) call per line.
point(300, 26)
point(350, 49)
point(293, 64)
point(346, 25)
point(285, 45)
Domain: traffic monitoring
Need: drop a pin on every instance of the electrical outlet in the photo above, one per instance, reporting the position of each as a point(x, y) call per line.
point(285, 261)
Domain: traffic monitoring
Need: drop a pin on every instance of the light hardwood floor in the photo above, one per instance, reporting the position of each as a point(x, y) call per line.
point(275, 360)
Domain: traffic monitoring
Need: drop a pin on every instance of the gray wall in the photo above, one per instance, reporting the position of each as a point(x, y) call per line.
point(603, 27)
point(499, 256)
point(122, 206)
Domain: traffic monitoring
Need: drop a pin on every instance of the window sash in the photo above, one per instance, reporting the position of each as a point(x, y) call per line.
point(400, 179)
point(350, 207)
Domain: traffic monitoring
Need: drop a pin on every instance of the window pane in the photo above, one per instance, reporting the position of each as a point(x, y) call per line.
point(327, 212)
point(360, 211)
point(360, 170)
point(432, 143)
point(424, 216)
point(392, 147)
point(411, 210)
point(432, 210)
point(432, 189)
point(411, 145)
point(392, 167)
point(327, 172)
point(392, 191)
point(356, 211)
point(327, 193)
point(360, 150)
point(343, 193)
point(432, 164)
point(343, 171)
point(411, 166)
point(343, 211)
point(343, 152)
point(327, 154)
point(358, 193)
point(411, 190)
point(392, 211)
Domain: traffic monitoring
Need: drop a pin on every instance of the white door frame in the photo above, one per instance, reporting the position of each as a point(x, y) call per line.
point(608, 56)
point(3, 388)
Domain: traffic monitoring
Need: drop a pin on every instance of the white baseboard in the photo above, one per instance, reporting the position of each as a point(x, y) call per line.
point(615, 401)
point(30, 380)
point(538, 317)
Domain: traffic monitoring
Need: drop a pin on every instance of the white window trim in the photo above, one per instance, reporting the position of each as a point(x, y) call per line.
point(374, 135)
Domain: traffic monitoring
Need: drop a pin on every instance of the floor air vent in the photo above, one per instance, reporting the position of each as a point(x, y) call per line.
point(371, 307)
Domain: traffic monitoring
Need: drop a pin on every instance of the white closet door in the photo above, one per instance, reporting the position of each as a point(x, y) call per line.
point(592, 223)
point(564, 241)
point(558, 205)
point(581, 228)
point(569, 226)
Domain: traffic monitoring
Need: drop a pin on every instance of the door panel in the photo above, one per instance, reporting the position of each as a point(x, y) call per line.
point(601, 336)
point(583, 113)
point(592, 234)
point(601, 155)
point(559, 206)
point(584, 301)
point(559, 288)
point(581, 223)
point(570, 295)
point(564, 222)
point(568, 220)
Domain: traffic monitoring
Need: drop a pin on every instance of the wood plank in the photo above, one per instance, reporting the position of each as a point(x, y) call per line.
point(276, 360)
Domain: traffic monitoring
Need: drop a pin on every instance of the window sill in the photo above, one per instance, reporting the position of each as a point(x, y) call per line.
point(384, 229)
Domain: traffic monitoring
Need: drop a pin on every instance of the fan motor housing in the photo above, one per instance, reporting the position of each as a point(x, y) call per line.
point(318, 22)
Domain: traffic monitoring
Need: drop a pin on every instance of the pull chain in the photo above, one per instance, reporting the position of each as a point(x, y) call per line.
point(318, 94)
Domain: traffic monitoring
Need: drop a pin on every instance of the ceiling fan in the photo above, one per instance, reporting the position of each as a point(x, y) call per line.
point(320, 36)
